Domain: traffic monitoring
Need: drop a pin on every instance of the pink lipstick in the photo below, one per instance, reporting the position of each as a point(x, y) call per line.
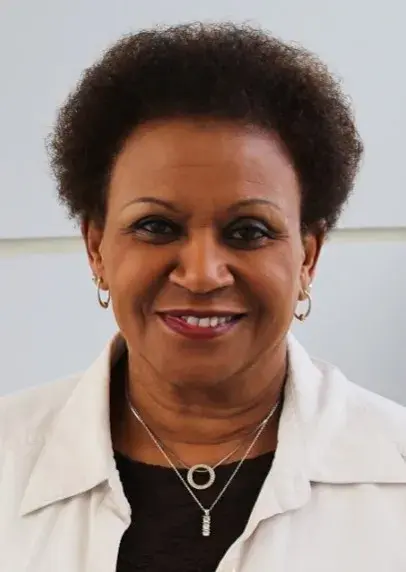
point(200, 326)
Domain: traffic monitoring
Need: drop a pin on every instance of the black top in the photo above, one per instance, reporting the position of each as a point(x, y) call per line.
point(165, 534)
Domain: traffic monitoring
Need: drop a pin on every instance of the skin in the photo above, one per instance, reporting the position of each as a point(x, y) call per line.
point(202, 215)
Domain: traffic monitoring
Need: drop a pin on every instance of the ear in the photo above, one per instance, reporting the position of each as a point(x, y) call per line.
point(93, 239)
point(313, 241)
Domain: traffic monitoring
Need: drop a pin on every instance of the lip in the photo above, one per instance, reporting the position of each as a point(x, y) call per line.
point(173, 321)
point(201, 313)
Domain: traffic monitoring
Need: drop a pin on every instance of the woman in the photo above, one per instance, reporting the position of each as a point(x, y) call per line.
point(206, 165)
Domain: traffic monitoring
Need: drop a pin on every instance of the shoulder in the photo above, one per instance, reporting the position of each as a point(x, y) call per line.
point(363, 409)
point(29, 413)
point(32, 414)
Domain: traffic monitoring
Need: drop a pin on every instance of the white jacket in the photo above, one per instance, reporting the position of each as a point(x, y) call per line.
point(334, 500)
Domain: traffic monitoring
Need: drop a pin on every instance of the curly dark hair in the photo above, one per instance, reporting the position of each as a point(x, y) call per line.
point(219, 71)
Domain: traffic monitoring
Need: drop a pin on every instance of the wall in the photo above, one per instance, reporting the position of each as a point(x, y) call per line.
point(45, 288)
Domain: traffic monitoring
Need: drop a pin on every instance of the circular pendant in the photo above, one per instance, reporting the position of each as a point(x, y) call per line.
point(201, 469)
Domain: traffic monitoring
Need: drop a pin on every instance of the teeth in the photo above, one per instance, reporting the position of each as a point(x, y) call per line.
point(212, 322)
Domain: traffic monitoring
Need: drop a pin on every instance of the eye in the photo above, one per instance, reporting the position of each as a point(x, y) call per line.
point(156, 229)
point(249, 233)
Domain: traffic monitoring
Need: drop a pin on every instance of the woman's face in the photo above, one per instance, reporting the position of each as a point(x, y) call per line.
point(202, 250)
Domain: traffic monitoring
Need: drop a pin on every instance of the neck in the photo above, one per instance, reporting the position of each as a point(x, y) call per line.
point(200, 424)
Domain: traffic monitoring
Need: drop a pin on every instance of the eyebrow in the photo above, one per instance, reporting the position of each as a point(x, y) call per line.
point(250, 202)
point(155, 201)
point(169, 205)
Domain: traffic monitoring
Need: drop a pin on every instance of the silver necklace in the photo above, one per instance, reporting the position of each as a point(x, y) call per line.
point(206, 518)
point(202, 467)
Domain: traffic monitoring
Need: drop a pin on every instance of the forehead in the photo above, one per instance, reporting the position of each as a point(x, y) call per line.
point(184, 159)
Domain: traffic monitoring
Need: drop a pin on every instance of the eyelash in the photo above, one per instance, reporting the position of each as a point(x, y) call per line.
point(175, 231)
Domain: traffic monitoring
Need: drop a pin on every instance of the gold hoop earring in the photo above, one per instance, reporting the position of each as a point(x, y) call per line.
point(307, 297)
point(103, 303)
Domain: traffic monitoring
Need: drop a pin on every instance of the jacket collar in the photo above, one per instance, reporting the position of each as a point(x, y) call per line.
point(346, 433)
point(326, 434)
point(330, 431)
point(77, 453)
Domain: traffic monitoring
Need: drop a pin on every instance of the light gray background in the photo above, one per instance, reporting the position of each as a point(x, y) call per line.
point(50, 324)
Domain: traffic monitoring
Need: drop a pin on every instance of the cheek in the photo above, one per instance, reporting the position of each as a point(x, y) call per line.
point(275, 282)
point(131, 273)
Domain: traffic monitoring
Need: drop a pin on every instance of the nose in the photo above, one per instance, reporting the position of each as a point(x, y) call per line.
point(201, 266)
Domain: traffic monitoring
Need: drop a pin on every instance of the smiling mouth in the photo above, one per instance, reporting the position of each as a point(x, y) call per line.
point(207, 322)
point(200, 326)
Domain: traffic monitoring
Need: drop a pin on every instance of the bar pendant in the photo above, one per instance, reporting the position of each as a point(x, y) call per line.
point(206, 523)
